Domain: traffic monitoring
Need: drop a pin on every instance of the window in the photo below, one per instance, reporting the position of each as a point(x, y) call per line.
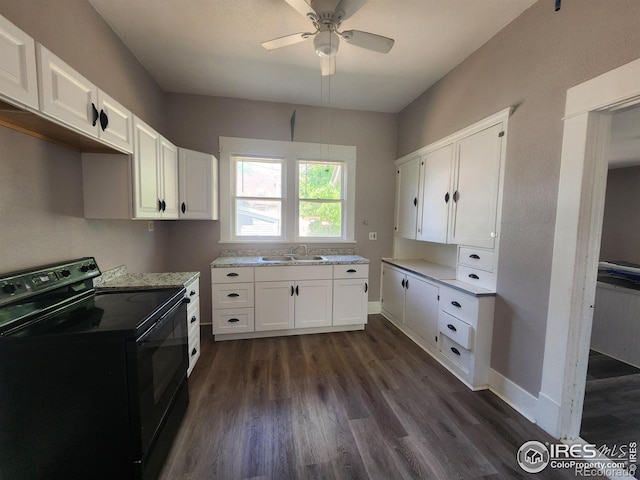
point(274, 191)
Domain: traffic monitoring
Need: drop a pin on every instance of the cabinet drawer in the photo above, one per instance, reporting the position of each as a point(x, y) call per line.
point(477, 258)
point(476, 277)
point(459, 305)
point(236, 320)
point(194, 353)
point(351, 271)
point(232, 275)
point(234, 295)
point(193, 314)
point(292, 273)
point(193, 290)
point(455, 329)
point(455, 352)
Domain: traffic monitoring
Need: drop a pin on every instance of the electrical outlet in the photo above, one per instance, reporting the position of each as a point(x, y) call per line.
point(373, 235)
point(150, 225)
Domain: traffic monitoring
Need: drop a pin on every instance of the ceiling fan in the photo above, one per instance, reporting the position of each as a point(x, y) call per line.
point(326, 37)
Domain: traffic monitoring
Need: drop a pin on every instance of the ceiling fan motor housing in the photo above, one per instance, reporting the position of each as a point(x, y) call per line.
point(326, 43)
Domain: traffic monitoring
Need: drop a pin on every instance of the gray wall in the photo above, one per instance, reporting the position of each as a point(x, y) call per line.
point(197, 122)
point(621, 226)
point(41, 204)
point(529, 65)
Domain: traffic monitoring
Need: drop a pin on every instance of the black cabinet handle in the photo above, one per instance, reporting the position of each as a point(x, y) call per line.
point(446, 197)
point(193, 352)
point(415, 202)
point(456, 304)
point(184, 207)
point(164, 205)
point(402, 283)
point(193, 319)
point(406, 284)
point(233, 320)
point(233, 295)
point(455, 350)
point(94, 111)
point(297, 290)
point(192, 293)
point(474, 256)
point(451, 327)
point(292, 290)
point(455, 196)
point(366, 287)
point(232, 274)
point(351, 270)
point(474, 276)
point(104, 120)
point(159, 205)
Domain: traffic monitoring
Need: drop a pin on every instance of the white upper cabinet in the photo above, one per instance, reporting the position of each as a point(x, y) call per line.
point(435, 195)
point(407, 180)
point(168, 181)
point(68, 97)
point(475, 192)
point(198, 177)
point(18, 77)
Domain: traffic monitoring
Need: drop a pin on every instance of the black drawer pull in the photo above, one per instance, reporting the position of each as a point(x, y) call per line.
point(192, 293)
point(232, 274)
point(366, 287)
point(451, 327)
point(406, 284)
point(474, 276)
point(456, 304)
point(474, 256)
point(455, 350)
point(446, 198)
point(351, 270)
point(402, 283)
point(233, 320)
point(232, 295)
point(293, 290)
point(297, 290)
point(193, 352)
point(193, 319)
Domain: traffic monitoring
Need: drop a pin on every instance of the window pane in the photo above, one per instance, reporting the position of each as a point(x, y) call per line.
point(321, 181)
point(258, 218)
point(258, 178)
point(320, 219)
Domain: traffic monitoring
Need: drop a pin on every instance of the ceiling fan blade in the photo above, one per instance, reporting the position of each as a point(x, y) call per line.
point(303, 8)
point(370, 41)
point(286, 40)
point(328, 65)
point(346, 8)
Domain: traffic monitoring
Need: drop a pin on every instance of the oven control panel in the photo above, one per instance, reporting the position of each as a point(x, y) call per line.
point(19, 285)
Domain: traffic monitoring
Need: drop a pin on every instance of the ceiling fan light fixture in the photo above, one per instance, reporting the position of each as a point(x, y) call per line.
point(326, 43)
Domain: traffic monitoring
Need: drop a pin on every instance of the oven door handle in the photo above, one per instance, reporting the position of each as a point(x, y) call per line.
point(141, 339)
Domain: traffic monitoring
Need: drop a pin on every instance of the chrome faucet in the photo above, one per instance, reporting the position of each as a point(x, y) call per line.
point(293, 249)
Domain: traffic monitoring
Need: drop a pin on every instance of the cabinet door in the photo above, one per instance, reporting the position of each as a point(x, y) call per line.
point(65, 95)
point(18, 77)
point(198, 173)
point(146, 171)
point(169, 178)
point(274, 305)
point(407, 178)
point(476, 189)
point(116, 123)
point(393, 293)
point(421, 309)
point(313, 303)
point(350, 301)
point(435, 195)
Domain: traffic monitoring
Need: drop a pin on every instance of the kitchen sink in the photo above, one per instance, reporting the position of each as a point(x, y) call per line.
point(306, 258)
point(292, 258)
point(277, 258)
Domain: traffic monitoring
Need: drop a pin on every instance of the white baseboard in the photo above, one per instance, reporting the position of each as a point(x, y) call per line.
point(548, 415)
point(514, 395)
point(375, 307)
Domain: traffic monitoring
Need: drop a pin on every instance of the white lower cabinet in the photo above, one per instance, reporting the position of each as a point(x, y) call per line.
point(232, 296)
point(350, 294)
point(193, 322)
point(275, 306)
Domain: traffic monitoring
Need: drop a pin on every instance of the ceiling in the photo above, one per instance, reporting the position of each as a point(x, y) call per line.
point(212, 47)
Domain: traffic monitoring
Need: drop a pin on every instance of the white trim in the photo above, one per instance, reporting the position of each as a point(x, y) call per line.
point(513, 395)
point(374, 308)
point(578, 229)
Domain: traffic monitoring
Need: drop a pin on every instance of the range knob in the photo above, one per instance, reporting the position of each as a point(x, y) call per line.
point(9, 288)
point(65, 273)
point(84, 268)
point(92, 266)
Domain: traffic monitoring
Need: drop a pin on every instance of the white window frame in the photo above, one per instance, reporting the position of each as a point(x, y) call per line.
point(291, 153)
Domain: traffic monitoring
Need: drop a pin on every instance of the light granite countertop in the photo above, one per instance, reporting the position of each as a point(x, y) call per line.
point(439, 273)
point(118, 278)
point(254, 261)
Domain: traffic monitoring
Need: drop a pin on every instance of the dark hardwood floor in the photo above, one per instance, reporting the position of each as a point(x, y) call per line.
point(366, 404)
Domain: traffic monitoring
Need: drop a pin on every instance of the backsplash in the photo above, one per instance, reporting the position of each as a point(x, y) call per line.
point(284, 251)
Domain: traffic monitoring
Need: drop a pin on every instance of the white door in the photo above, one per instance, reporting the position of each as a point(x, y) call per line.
point(197, 173)
point(169, 179)
point(421, 309)
point(393, 293)
point(65, 95)
point(313, 303)
point(476, 190)
point(116, 123)
point(350, 301)
point(18, 77)
point(407, 178)
point(435, 195)
point(146, 171)
point(274, 305)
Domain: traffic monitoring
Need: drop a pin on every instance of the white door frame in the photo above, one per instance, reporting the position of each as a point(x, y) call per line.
point(578, 230)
